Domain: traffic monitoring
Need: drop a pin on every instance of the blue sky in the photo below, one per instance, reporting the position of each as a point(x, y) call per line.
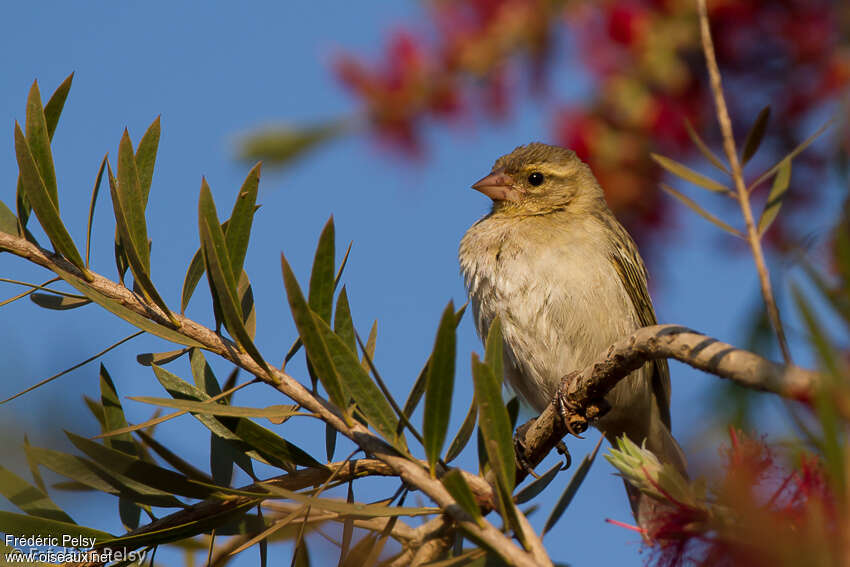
point(216, 72)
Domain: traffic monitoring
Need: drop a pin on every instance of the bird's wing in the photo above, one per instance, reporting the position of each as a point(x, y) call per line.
point(632, 272)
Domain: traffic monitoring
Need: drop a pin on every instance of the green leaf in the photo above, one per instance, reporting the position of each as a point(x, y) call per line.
point(260, 443)
point(689, 174)
point(42, 202)
point(130, 224)
point(22, 526)
point(439, 388)
point(182, 531)
point(454, 482)
point(246, 303)
point(70, 466)
point(280, 145)
point(356, 509)
point(160, 358)
point(700, 211)
point(156, 477)
point(793, 153)
point(113, 415)
point(494, 423)
point(275, 412)
point(704, 149)
point(366, 394)
point(343, 325)
point(777, 194)
point(464, 433)
point(94, 193)
point(8, 220)
point(493, 348)
point(537, 485)
point(220, 274)
point(31, 499)
point(38, 140)
point(571, 489)
point(54, 106)
point(238, 231)
point(58, 302)
point(755, 135)
point(317, 350)
point(193, 276)
point(371, 344)
point(322, 277)
point(131, 203)
point(418, 389)
point(145, 158)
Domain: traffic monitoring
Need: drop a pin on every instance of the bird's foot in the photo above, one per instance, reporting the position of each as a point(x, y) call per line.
point(571, 416)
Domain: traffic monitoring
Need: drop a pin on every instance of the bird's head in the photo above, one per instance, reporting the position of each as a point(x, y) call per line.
point(540, 179)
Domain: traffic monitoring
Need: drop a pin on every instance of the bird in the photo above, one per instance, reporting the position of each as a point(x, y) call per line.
point(567, 281)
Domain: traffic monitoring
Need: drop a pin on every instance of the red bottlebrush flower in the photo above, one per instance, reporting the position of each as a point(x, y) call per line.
point(627, 22)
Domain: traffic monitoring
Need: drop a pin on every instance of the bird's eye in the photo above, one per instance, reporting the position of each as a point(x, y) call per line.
point(535, 178)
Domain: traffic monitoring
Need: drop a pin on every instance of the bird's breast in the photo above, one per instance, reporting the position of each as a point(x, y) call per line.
point(556, 292)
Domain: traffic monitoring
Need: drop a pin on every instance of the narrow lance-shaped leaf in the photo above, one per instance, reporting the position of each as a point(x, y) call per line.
point(54, 106)
point(317, 350)
point(439, 388)
point(146, 160)
point(322, 277)
point(138, 470)
point(691, 204)
point(113, 415)
point(493, 348)
point(343, 325)
point(130, 226)
point(571, 489)
point(538, 485)
point(25, 526)
point(755, 135)
point(418, 389)
point(776, 196)
point(238, 231)
point(58, 302)
point(704, 149)
point(31, 499)
point(366, 394)
point(460, 491)
point(39, 143)
point(464, 433)
point(494, 422)
point(43, 204)
point(220, 274)
point(94, 193)
point(246, 303)
point(8, 220)
point(689, 174)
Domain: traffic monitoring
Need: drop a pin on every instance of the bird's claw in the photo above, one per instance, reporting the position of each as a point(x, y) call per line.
point(561, 447)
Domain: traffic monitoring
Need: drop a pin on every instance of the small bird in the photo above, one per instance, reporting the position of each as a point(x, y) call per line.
point(567, 281)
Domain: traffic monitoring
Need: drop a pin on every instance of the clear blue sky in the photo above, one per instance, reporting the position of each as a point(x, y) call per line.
point(216, 70)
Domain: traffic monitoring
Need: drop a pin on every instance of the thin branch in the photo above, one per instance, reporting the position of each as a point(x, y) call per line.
point(738, 176)
point(411, 472)
point(587, 388)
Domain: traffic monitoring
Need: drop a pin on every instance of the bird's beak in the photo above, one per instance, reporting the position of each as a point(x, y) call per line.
point(499, 186)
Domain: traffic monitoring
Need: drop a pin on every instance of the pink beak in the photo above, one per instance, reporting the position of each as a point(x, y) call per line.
point(499, 186)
